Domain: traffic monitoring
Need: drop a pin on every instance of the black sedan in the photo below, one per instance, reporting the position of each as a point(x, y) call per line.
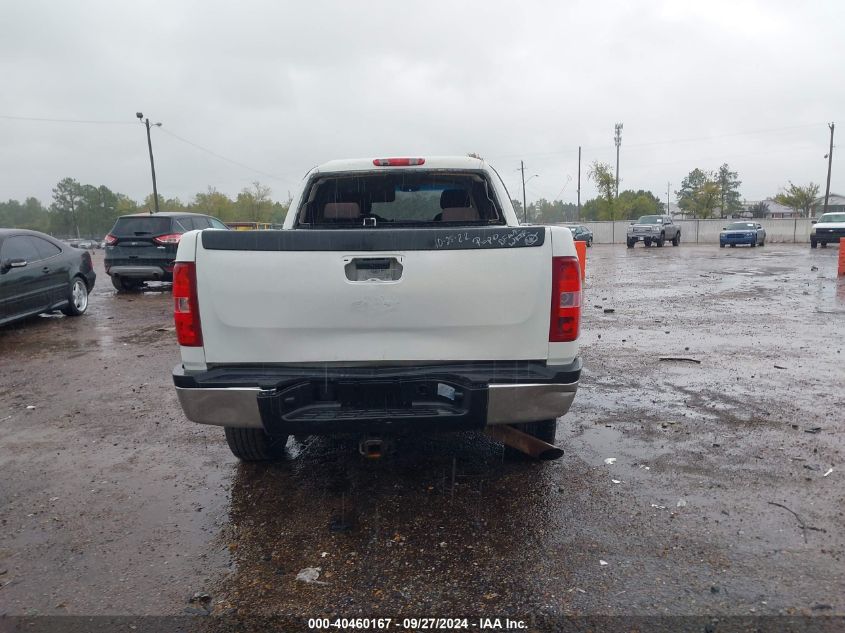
point(40, 274)
point(581, 233)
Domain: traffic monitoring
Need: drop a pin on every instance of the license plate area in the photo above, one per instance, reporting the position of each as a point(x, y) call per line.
point(318, 406)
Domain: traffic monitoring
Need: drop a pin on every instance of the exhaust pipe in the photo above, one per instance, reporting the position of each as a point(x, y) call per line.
point(371, 447)
point(524, 443)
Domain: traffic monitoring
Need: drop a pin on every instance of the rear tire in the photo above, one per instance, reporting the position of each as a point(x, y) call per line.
point(721, 245)
point(824, 244)
point(254, 445)
point(813, 244)
point(631, 243)
point(677, 239)
point(763, 243)
point(125, 285)
point(753, 244)
point(589, 243)
point(77, 299)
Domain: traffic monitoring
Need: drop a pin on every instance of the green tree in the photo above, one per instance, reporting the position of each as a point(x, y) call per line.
point(30, 214)
point(280, 211)
point(215, 203)
point(801, 199)
point(759, 210)
point(550, 212)
point(602, 176)
point(124, 205)
point(67, 195)
point(164, 204)
point(730, 201)
point(254, 203)
point(597, 209)
point(700, 193)
point(632, 204)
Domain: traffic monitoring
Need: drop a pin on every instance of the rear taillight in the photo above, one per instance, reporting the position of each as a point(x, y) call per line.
point(565, 317)
point(398, 162)
point(186, 310)
point(171, 238)
point(111, 240)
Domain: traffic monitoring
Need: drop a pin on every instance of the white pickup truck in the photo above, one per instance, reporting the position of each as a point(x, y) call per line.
point(401, 295)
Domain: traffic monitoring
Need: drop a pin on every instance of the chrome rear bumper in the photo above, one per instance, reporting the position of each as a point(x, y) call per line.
point(506, 404)
point(147, 272)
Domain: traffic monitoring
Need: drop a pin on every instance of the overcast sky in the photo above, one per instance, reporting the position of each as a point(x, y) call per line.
point(281, 86)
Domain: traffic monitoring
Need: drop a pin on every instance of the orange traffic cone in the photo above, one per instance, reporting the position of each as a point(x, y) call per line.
point(581, 249)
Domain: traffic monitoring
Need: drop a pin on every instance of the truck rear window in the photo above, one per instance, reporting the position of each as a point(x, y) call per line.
point(408, 199)
point(142, 225)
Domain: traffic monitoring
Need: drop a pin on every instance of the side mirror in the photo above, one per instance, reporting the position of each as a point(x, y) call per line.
point(724, 228)
point(813, 221)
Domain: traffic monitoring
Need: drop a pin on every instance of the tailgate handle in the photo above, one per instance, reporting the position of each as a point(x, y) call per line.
point(373, 268)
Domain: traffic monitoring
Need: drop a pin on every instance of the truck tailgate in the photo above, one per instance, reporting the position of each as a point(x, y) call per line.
point(313, 296)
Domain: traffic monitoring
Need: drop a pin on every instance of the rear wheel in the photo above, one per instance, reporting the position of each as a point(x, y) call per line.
point(589, 243)
point(753, 244)
point(125, 284)
point(824, 244)
point(254, 445)
point(631, 243)
point(677, 239)
point(763, 243)
point(77, 298)
point(813, 243)
point(721, 245)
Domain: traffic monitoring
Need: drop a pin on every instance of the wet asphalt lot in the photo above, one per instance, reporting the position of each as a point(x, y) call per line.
point(112, 503)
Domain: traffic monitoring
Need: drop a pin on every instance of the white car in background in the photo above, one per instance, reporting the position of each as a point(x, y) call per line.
point(828, 229)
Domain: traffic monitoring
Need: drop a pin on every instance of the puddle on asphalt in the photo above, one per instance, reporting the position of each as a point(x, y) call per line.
point(596, 443)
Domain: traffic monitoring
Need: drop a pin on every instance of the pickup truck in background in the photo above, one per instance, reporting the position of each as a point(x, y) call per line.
point(402, 295)
point(653, 229)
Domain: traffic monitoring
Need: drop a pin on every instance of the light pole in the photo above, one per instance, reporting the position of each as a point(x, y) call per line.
point(146, 122)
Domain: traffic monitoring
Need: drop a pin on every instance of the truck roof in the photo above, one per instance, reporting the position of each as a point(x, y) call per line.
point(431, 162)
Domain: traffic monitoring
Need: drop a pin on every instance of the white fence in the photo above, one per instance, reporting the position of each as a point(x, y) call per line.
point(795, 230)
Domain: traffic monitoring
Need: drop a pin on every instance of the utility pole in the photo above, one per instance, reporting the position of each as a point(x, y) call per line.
point(668, 187)
point(829, 165)
point(579, 183)
point(524, 207)
point(146, 122)
point(617, 139)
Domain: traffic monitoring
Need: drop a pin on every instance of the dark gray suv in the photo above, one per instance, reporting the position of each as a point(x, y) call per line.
point(142, 247)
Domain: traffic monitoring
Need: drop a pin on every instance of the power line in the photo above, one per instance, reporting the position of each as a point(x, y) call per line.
point(718, 136)
point(49, 120)
point(220, 156)
point(667, 141)
point(168, 132)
